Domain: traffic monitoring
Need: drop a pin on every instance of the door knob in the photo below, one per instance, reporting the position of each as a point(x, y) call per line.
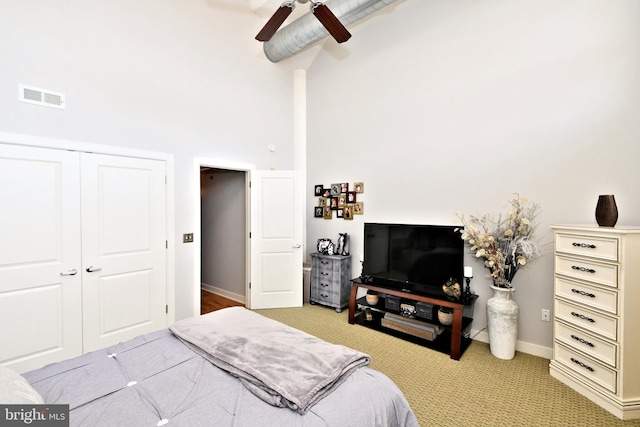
point(297, 246)
point(91, 269)
point(70, 272)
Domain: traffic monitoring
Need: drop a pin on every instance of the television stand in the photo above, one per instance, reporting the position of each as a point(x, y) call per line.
point(450, 341)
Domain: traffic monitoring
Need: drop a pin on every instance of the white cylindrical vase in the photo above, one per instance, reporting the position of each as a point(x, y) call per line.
point(502, 318)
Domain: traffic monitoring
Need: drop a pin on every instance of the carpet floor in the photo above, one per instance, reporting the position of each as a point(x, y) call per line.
point(477, 390)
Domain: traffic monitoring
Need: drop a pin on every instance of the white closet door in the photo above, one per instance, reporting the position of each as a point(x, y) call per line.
point(124, 248)
point(40, 296)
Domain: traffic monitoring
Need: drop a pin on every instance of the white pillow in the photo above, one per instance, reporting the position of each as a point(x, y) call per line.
point(14, 389)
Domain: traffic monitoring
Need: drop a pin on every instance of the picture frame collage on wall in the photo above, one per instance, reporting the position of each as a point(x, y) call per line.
point(339, 198)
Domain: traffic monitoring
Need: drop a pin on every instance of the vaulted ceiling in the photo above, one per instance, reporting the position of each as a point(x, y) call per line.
point(302, 29)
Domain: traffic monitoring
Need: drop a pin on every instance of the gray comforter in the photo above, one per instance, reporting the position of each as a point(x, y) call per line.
point(281, 365)
point(156, 380)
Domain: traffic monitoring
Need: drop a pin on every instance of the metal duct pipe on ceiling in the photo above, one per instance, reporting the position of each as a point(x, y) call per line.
point(306, 30)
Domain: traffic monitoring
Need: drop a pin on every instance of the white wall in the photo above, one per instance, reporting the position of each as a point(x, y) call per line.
point(166, 75)
point(445, 107)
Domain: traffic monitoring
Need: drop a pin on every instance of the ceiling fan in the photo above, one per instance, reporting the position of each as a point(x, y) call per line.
point(320, 10)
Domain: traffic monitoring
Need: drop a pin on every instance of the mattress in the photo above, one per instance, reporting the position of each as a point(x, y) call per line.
point(156, 380)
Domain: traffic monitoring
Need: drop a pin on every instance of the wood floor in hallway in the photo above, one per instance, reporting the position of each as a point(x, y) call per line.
point(211, 302)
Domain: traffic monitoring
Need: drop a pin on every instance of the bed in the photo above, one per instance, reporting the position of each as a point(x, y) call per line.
point(232, 367)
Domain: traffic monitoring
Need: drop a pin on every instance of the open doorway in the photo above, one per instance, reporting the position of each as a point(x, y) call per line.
point(222, 225)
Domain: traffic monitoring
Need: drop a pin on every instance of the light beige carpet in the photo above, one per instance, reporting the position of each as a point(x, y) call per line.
point(477, 390)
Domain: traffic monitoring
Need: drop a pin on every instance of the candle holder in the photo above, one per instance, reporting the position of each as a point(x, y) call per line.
point(467, 296)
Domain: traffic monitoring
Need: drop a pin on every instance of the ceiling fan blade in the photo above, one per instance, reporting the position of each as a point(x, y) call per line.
point(330, 22)
point(275, 21)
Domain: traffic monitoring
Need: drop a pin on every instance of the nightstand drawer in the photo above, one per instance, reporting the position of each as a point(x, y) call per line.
point(603, 274)
point(594, 247)
point(592, 296)
point(586, 367)
point(326, 264)
point(587, 319)
point(597, 348)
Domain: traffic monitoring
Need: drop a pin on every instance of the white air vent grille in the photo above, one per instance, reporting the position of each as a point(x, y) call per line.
point(47, 98)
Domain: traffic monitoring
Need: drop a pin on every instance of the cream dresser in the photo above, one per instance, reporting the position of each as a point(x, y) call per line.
point(596, 346)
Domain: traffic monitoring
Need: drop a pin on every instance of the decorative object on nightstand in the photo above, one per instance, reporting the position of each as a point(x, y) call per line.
point(505, 244)
point(325, 246)
point(330, 280)
point(596, 347)
point(343, 244)
point(606, 211)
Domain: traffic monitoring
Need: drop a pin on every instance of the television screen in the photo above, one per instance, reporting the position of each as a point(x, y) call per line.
point(413, 258)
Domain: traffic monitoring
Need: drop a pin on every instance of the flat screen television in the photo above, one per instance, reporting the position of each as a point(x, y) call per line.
point(412, 258)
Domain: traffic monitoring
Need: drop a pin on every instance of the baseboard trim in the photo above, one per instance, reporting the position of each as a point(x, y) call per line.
point(224, 293)
point(524, 347)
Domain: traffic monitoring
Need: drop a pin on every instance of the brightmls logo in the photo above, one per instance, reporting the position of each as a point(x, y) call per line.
point(34, 415)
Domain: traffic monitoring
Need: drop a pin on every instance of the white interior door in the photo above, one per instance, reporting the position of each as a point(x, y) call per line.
point(40, 280)
point(276, 239)
point(124, 248)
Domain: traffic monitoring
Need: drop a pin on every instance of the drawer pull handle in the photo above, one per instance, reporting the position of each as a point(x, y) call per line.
point(584, 245)
point(324, 295)
point(582, 340)
point(577, 362)
point(324, 273)
point(586, 294)
point(324, 262)
point(324, 284)
point(583, 317)
point(586, 270)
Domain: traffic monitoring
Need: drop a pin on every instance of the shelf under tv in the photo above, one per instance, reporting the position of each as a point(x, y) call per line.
point(450, 341)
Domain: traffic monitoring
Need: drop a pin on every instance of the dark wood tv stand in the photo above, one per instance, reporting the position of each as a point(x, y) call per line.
point(454, 346)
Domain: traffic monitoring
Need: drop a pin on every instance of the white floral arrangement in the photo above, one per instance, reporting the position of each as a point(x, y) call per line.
point(505, 243)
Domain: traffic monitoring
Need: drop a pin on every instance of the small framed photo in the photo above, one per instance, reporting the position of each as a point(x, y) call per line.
point(336, 189)
point(342, 200)
point(344, 187)
point(318, 212)
point(318, 190)
point(358, 208)
point(326, 192)
point(351, 197)
point(348, 212)
point(358, 187)
point(340, 213)
point(328, 213)
point(322, 201)
point(333, 203)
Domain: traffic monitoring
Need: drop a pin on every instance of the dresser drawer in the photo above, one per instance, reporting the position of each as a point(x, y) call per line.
point(325, 264)
point(597, 348)
point(603, 274)
point(320, 274)
point(587, 319)
point(582, 293)
point(604, 248)
point(586, 367)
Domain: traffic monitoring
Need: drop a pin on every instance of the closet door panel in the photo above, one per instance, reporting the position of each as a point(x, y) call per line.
point(40, 296)
point(124, 248)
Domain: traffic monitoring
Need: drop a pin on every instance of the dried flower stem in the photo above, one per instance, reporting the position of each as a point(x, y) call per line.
point(504, 243)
